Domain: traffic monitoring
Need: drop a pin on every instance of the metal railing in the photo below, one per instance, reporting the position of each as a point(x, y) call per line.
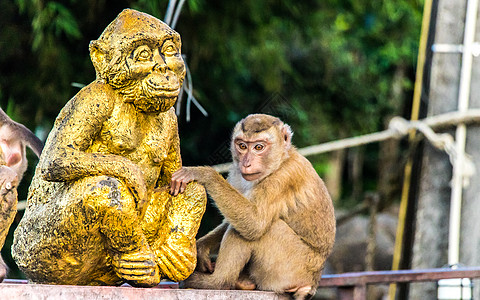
point(353, 286)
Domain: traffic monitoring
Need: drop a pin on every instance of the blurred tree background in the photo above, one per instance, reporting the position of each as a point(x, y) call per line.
point(329, 68)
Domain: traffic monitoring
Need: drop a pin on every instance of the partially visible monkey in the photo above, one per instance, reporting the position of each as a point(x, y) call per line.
point(279, 225)
point(14, 137)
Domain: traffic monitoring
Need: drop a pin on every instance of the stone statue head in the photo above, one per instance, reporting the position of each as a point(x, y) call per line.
point(140, 56)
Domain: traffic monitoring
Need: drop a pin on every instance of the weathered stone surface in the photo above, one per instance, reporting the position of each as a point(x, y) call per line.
point(62, 292)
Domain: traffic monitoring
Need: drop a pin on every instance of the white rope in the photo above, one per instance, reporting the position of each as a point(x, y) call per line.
point(398, 128)
point(443, 141)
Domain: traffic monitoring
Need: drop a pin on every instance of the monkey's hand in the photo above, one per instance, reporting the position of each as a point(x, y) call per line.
point(181, 178)
point(204, 264)
point(8, 185)
point(8, 179)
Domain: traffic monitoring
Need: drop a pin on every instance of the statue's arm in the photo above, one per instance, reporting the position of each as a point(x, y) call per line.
point(173, 161)
point(77, 127)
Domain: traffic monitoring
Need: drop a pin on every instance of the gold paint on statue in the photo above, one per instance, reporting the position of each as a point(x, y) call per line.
point(99, 211)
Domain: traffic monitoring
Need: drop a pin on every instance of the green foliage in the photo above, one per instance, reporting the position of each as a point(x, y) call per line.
point(51, 19)
point(332, 60)
point(324, 66)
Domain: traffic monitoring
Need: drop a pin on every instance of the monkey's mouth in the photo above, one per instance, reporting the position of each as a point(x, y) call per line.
point(251, 176)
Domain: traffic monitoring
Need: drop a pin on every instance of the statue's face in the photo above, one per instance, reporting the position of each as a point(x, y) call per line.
point(157, 71)
point(139, 56)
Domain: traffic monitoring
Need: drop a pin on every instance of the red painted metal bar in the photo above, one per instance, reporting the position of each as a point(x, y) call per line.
point(353, 286)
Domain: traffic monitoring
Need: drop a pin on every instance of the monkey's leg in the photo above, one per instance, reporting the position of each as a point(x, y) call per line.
point(112, 205)
point(234, 254)
point(8, 207)
point(209, 243)
point(8, 200)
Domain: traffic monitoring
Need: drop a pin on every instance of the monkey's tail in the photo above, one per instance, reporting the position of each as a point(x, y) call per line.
point(31, 139)
point(35, 143)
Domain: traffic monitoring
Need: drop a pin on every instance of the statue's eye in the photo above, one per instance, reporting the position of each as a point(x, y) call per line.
point(143, 53)
point(169, 48)
point(259, 147)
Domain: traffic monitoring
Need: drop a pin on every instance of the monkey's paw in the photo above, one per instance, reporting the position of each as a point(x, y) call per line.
point(204, 263)
point(8, 190)
point(3, 271)
point(8, 180)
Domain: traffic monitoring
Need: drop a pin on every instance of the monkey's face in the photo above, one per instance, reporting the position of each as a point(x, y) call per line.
point(260, 143)
point(253, 156)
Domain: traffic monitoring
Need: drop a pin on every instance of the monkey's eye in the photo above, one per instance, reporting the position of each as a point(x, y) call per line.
point(242, 146)
point(169, 48)
point(142, 53)
point(259, 147)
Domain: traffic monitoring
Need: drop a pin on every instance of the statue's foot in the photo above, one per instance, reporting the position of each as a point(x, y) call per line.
point(137, 268)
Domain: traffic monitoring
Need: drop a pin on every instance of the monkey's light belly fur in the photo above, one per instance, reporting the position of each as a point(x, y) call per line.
point(99, 211)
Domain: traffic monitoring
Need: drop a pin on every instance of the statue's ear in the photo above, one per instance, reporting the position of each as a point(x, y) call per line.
point(98, 56)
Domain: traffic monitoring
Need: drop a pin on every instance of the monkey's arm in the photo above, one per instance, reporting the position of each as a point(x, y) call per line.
point(8, 200)
point(211, 241)
point(250, 219)
point(80, 121)
point(312, 218)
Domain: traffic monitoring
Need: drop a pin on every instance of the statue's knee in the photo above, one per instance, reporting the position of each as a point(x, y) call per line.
point(106, 193)
point(195, 190)
point(193, 200)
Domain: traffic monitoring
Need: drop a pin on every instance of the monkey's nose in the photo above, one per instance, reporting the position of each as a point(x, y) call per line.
point(246, 163)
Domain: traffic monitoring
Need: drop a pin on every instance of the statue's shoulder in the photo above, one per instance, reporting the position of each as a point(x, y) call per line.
point(96, 98)
point(97, 88)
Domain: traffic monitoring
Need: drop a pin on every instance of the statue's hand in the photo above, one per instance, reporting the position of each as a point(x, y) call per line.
point(135, 181)
point(138, 268)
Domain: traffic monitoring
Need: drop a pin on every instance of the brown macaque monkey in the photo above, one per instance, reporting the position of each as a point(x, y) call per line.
point(279, 225)
point(14, 138)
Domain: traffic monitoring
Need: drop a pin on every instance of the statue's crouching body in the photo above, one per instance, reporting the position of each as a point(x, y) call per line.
point(99, 211)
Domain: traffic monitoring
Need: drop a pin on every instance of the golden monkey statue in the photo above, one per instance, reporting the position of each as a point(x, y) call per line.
point(99, 210)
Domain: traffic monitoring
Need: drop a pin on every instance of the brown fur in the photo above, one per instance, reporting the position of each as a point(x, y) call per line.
point(279, 227)
point(14, 137)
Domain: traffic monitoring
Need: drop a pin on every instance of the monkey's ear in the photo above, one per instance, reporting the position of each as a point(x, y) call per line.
point(287, 134)
point(98, 56)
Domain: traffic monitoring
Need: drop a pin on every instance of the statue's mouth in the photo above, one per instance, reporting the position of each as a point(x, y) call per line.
point(160, 89)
